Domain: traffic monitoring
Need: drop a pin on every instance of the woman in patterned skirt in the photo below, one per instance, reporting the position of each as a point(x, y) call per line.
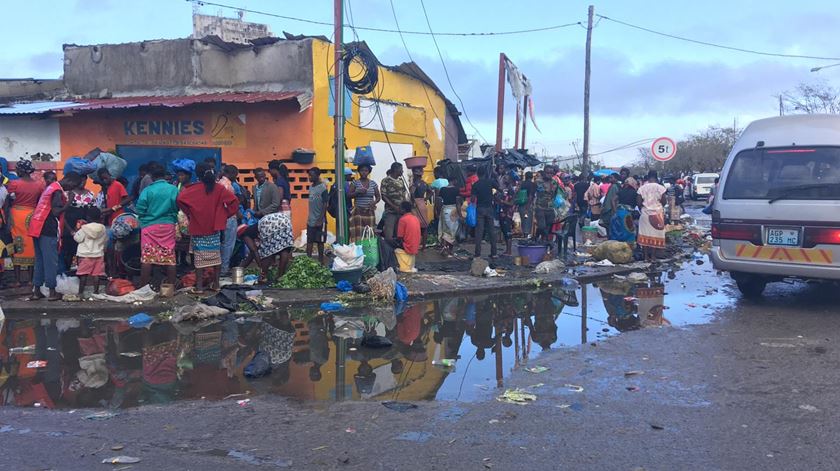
point(275, 238)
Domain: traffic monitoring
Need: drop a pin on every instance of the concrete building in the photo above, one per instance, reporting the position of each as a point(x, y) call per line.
point(232, 30)
point(242, 105)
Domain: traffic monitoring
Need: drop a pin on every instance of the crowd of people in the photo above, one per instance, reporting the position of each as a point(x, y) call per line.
point(192, 214)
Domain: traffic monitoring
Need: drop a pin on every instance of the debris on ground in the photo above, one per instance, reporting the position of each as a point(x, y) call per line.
point(809, 408)
point(121, 460)
point(382, 285)
point(141, 321)
point(637, 277)
point(573, 387)
point(550, 266)
point(633, 373)
point(537, 369)
point(103, 415)
point(479, 266)
point(399, 406)
point(614, 251)
point(517, 396)
point(196, 312)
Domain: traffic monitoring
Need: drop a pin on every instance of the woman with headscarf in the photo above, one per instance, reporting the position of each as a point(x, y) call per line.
point(652, 222)
point(622, 225)
point(78, 200)
point(208, 206)
point(26, 192)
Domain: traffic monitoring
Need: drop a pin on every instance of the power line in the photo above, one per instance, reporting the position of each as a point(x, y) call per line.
point(422, 84)
point(385, 30)
point(625, 146)
point(720, 46)
point(446, 72)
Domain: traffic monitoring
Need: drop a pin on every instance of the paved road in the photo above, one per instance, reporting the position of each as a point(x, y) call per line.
point(754, 389)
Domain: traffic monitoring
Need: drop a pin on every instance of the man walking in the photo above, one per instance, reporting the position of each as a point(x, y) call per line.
point(482, 193)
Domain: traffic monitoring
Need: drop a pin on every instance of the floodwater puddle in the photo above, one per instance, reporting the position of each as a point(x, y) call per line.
point(456, 349)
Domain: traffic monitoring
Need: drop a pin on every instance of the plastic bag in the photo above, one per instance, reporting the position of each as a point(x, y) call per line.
point(382, 285)
point(259, 366)
point(400, 292)
point(472, 216)
point(115, 165)
point(559, 201)
point(79, 165)
point(340, 264)
point(370, 247)
point(67, 284)
point(348, 257)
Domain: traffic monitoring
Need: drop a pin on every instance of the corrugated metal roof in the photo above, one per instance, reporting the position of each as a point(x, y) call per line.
point(179, 101)
point(304, 100)
point(37, 107)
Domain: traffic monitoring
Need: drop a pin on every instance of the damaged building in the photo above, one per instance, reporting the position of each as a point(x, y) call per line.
point(242, 104)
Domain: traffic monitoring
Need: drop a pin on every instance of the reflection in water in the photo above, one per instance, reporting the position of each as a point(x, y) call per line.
point(370, 353)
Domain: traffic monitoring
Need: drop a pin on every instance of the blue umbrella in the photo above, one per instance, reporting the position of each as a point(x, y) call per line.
point(604, 172)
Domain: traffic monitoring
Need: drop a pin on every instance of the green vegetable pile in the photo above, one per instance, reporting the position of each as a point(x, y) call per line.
point(305, 272)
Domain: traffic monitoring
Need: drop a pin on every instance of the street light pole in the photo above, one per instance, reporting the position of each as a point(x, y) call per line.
point(338, 121)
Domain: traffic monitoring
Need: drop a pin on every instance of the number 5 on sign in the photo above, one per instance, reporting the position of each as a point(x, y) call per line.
point(663, 149)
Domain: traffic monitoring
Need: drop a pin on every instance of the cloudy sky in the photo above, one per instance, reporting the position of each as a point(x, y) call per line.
point(643, 85)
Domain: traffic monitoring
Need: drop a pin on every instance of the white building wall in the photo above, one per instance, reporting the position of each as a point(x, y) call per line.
point(23, 136)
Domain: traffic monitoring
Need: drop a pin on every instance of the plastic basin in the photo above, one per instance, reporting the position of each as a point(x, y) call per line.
point(534, 253)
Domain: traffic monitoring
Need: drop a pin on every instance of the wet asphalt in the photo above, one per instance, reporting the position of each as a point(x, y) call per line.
point(750, 385)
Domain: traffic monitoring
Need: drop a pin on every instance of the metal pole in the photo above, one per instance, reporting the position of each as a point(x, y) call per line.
point(500, 109)
point(516, 133)
point(341, 220)
point(524, 120)
point(586, 77)
point(583, 313)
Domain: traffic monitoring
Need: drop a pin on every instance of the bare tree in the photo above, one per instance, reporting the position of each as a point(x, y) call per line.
point(811, 98)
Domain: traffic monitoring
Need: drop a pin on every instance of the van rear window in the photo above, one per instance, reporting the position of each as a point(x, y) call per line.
point(798, 173)
point(705, 180)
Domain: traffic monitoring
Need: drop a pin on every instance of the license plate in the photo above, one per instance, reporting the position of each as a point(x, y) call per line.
point(788, 237)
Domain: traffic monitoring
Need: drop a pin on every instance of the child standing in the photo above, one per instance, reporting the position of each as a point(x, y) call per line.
point(91, 237)
point(408, 238)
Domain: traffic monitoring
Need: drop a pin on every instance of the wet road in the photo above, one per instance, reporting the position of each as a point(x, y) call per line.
point(715, 382)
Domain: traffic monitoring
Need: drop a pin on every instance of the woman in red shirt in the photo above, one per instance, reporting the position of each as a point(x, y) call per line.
point(26, 192)
point(208, 205)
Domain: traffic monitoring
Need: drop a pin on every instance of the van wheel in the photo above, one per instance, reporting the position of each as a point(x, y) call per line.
point(751, 287)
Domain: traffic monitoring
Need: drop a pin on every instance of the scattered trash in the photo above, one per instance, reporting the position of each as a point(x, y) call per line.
point(319, 448)
point(493, 421)
point(400, 292)
point(141, 320)
point(491, 273)
point(103, 415)
point(657, 427)
point(550, 266)
point(517, 396)
point(117, 447)
point(37, 364)
point(195, 312)
point(637, 277)
point(71, 298)
point(344, 286)
point(121, 460)
point(537, 369)
point(633, 373)
point(445, 362)
point(632, 388)
point(573, 387)
point(350, 430)
point(331, 307)
point(809, 408)
point(478, 266)
point(399, 406)
point(243, 402)
point(130, 354)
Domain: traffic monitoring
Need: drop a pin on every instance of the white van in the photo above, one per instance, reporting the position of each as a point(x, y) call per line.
point(701, 185)
point(776, 213)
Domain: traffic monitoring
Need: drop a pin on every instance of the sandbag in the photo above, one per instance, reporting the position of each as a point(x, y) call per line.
point(614, 251)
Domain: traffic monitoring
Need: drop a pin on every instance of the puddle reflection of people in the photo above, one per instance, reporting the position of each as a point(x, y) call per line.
point(618, 301)
point(652, 302)
point(319, 347)
point(481, 332)
point(544, 326)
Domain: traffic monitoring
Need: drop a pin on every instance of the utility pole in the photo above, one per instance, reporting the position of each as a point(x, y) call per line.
point(781, 106)
point(500, 107)
point(524, 120)
point(586, 77)
point(338, 120)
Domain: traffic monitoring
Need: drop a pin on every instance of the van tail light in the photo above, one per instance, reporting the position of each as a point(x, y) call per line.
point(746, 232)
point(821, 236)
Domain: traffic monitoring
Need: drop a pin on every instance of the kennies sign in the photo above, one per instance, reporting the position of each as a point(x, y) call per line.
point(220, 130)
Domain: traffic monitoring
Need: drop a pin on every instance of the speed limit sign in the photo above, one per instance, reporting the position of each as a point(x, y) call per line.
point(663, 149)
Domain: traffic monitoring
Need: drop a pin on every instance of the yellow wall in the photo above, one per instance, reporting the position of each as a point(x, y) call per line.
point(393, 86)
